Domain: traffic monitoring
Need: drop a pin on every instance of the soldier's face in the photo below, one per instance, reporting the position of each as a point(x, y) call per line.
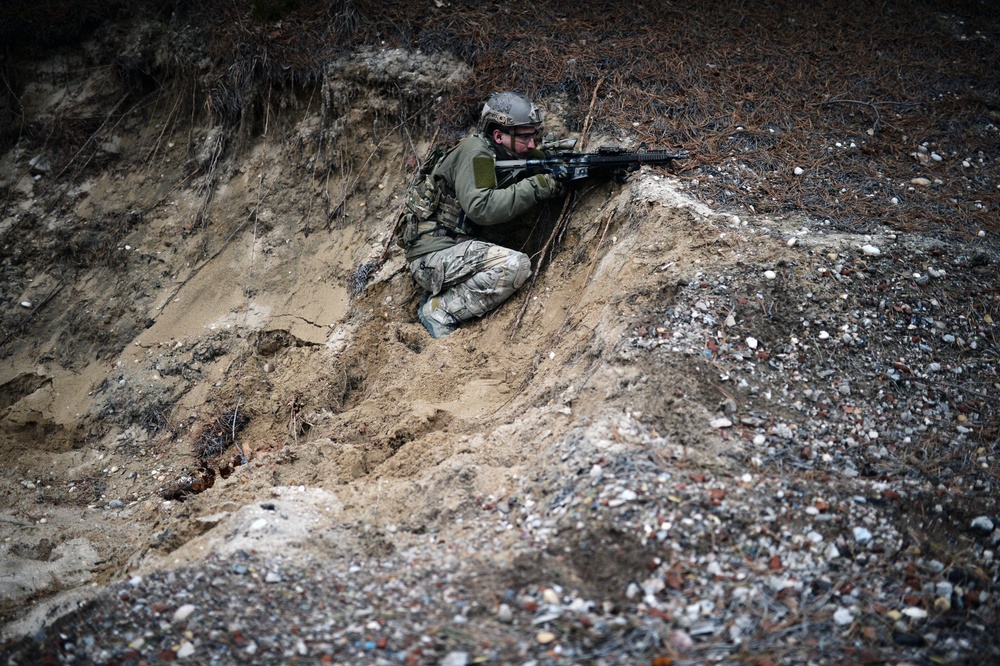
point(520, 140)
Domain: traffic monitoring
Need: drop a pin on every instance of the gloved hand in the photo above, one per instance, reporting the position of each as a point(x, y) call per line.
point(546, 186)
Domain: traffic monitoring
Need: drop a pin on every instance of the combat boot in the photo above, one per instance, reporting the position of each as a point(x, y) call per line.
point(437, 322)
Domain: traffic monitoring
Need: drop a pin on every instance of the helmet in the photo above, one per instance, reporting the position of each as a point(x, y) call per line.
point(509, 109)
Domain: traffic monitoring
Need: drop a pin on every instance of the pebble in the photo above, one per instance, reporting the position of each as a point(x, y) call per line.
point(752, 342)
point(721, 422)
point(770, 275)
point(871, 250)
point(921, 182)
point(455, 659)
point(505, 614)
point(843, 616)
point(545, 637)
point(184, 612)
point(186, 650)
point(862, 535)
point(983, 523)
point(798, 171)
point(25, 304)
point(550, 597)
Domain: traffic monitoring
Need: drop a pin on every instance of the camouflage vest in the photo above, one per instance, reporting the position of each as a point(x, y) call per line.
point(431, 205)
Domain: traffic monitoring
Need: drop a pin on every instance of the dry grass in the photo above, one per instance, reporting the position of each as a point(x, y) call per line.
point(752, 90)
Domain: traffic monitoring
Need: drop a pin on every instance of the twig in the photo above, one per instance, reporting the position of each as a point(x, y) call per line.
point(590, 111)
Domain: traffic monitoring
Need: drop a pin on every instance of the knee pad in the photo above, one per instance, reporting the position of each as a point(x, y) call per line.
point(520, 267)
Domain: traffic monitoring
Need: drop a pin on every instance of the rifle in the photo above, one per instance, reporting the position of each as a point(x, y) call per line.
point(569, 166)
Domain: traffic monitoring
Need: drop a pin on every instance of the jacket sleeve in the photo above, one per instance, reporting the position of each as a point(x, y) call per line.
point(489, 205)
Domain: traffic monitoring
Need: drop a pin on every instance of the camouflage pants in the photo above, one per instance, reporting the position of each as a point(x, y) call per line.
point(471, 278)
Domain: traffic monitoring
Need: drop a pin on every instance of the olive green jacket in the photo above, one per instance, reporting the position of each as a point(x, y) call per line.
point(468, 174)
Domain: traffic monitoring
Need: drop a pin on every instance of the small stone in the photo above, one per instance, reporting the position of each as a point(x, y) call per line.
point(545, 637)
point(862, 536)
point(272, 577)
point(456, 659)
point(843, 616)
point(721, 422)
point(269, 367)
point(921, 182)
point(752, 342)
point(550, 597)
point(186, 650)
point(798, 171)
point(871, 250)
point(982, 523)
point(759, 440)
point(183, 613)
point(824, 335)
point(681, 640)
point(942, 605)
point(907, 639)
point(505, 614)
point(915, 613)
point(25, 304)
point(770, 275)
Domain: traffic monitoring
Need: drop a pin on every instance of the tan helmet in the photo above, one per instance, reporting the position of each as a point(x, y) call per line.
point(509, 109)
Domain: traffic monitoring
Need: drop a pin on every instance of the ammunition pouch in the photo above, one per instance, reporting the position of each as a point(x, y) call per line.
point(431, 209)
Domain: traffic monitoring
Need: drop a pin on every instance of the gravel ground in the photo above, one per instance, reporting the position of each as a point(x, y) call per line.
point(852, 518)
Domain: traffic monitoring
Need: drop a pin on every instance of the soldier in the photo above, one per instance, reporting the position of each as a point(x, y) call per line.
point(460, 190)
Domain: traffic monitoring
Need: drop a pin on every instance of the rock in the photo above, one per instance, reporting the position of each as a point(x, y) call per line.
point(505, 614)
point(921, 182)
point(272, 577)
point(907, 639)
point(770, 275)
point(721, 422)
point(983, 523)
point(798, 171)
point(843, 616)
point(550, 597)
point(915, 613)
point(40, 164)
point(862, 536)
point(455, 659)
point(183, 613)
point(186, 650)
point(871, 250)
point(752, 342)
point(545, 637)
point(681, 640)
